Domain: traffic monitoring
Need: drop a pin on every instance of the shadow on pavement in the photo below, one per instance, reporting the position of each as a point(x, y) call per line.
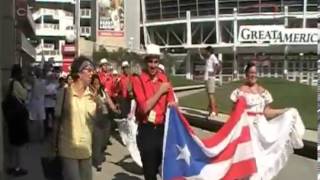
point(124, 176)
point(115, 134)
point(131, 166)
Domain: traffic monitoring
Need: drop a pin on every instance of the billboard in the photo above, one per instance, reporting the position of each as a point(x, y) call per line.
point(111, 18)
point(278, 34)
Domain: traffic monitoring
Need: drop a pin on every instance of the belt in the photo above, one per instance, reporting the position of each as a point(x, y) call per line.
point(255, 113)
point(155, 126)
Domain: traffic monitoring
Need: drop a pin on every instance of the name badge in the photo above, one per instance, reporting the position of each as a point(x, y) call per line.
point(152, 116)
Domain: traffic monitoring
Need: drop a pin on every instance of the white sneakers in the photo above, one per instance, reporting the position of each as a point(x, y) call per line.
point(212, 116)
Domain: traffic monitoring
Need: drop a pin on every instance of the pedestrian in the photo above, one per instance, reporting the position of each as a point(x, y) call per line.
point(128, 125)
point(102, 122)
point(50, 102)
point(16, 116)
point(105, 76)
point(212, 68)
point(37, 107)
point(76, 110)
point(69, 80)
point(274, 132)
point(153, 93)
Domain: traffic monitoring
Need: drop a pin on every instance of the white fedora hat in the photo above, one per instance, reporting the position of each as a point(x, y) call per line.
point(125, 64)
point(152, 49)
point(103, 61)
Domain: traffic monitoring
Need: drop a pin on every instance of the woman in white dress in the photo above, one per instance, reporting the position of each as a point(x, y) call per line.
point(275, 132)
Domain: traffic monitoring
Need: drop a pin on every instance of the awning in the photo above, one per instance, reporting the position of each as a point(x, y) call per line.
point(25, 45)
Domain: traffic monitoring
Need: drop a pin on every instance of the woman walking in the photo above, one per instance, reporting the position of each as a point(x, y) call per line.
point(76, 108)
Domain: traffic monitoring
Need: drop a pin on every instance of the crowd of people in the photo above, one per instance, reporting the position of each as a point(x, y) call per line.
point(77, 113)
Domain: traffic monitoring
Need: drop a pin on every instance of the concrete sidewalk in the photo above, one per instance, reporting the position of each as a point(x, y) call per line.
point(119, 165)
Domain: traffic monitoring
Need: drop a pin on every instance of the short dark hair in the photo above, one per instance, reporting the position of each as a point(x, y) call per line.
point(248, 66)
point(148, 57)
point(76, 64)
point(209, 49)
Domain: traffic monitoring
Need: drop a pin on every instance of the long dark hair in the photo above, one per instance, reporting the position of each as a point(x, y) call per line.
point(248, 66)
point(101, 87)
point(16, 72)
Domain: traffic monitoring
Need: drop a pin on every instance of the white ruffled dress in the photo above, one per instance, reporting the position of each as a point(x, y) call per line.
point(273, 140)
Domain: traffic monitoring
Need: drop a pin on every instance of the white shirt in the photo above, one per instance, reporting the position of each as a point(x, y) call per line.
point(51, 89)
point(210, 63)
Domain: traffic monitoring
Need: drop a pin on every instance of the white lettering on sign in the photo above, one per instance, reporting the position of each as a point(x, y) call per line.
point(21, 12)
point(278, 34)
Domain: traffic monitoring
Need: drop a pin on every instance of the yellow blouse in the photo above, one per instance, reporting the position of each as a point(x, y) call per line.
point(75, 137)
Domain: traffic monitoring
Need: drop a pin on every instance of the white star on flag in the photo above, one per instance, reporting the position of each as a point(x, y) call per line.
point(184, 154)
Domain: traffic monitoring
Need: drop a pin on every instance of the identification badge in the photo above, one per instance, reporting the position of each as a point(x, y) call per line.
point(152, 116)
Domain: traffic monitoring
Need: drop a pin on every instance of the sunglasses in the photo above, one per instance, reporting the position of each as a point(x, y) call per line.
point(153, 61)
point(89, 69)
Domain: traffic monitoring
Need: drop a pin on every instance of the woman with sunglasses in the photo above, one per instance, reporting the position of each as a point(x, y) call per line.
point(76, 109)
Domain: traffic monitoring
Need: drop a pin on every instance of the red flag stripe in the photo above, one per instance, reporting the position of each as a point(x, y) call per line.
point(228, 126)
point(229, 151)
point(241, 170)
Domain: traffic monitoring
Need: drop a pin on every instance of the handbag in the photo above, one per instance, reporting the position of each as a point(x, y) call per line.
point(52, 166)
point(12, 106)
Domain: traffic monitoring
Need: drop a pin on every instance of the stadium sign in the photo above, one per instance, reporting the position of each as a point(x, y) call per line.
point(277, 34)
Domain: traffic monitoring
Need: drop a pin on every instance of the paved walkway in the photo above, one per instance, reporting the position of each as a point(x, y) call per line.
point(119, 166)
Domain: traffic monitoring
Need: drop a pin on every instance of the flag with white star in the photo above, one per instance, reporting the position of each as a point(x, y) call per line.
point(226, 155)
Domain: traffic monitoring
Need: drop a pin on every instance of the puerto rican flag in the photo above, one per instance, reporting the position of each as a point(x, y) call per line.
point(227, 155)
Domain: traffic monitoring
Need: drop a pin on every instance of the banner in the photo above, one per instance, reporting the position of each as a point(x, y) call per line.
point(111, 18)
point(277, 34)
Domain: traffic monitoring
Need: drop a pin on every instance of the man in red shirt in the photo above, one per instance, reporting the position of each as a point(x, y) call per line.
point(153, 93)
point(105, 76)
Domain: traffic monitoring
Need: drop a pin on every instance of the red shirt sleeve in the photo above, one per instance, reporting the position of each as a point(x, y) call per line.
point(170, 97)
point(138, 91)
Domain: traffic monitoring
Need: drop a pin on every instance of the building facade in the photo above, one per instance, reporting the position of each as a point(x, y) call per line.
point(181, 27)
point(54, 23)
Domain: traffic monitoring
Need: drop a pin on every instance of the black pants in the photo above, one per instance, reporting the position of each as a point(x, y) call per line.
point(150, 140)
point(101, 135)
point(48, 123)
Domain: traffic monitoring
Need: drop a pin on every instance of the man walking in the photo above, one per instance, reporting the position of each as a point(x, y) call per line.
point(152, 93)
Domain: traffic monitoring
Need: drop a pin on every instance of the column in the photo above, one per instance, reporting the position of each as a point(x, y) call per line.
point(189, 33)
point(77, 26)
point(41, 19)
point(304, 20)
point(285, 61)
point(144, 19)
point(1, 89)
point(220, 57)
point(300, 67)
point(188, 65)
point(8, 55)
point(217, 22)
point(276, 69)
point(235, 43)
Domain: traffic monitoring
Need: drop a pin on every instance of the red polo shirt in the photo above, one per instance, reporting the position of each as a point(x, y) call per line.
point(123, 85)
point(107, 82)
point(144, 88)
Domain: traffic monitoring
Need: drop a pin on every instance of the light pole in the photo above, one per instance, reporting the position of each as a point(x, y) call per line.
point(77, 26)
